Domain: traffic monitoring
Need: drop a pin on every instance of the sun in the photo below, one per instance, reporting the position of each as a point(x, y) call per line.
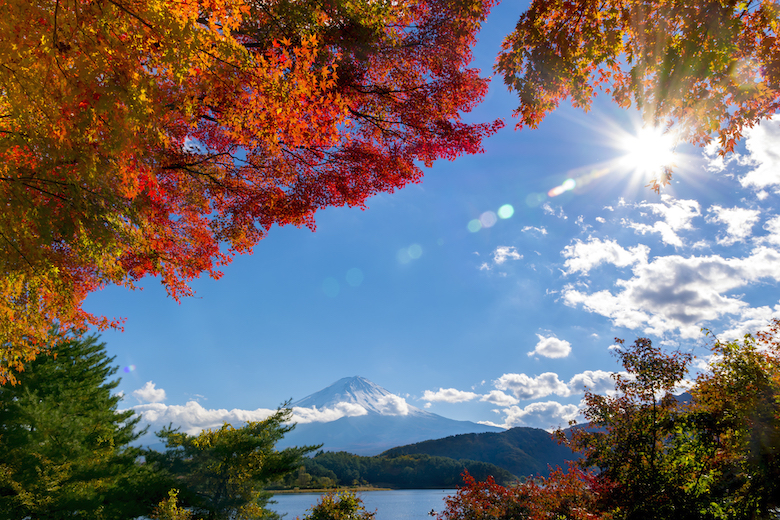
point(648, 151)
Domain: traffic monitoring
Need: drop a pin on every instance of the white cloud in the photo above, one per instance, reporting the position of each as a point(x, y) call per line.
point(526, 387)
point(739, 222)
point(596, 381)
point(499, 398)
point(392, 405)
point(676, 214)
point(531, 229)
point(676, 293)
point(502, 253)
point(580, 221)
point(551, 211)
point(551, 347)
point(583, 256)
point(601, 220)
point(773, 226)
point(750, 320)
point(715, 161)
point(761, 143)
point(192, 418)
point(149, 394)
point(548, 415)
point(449, 395)
point(314, 414)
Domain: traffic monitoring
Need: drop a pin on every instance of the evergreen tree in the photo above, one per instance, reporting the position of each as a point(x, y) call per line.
point(64, 447)
point(221, 473)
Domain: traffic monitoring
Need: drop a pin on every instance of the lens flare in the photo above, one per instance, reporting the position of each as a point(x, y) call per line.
point(506, 211)
point(407, 254)
point(568, 185)
point(354, 277)
point(488, 219)
point(129, 368)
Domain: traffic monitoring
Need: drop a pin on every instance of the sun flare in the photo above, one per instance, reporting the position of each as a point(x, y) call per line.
point(648, 151)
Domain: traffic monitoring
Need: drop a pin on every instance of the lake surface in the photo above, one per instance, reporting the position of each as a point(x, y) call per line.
point(399, 504)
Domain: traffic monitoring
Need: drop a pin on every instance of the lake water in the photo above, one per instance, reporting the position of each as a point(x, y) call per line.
point(399, 504)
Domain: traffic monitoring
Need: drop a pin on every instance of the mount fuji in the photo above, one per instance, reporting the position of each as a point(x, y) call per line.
point(368, 420)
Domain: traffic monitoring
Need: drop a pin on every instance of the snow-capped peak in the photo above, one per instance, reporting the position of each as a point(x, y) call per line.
point(359, 390)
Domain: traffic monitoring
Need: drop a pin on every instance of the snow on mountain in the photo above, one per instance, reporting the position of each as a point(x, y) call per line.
point(361, 392)
point(355, 415)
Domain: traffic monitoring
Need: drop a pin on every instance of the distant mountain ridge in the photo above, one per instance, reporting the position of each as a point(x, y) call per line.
point(388, 422)
point(521, 451)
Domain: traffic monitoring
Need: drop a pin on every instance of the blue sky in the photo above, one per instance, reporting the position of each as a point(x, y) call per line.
point(431, 294)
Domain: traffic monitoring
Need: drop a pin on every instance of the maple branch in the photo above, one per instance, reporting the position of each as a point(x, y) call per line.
point(199, 174)
point(137, 17)
point(21, 254)
point(370, 89)
point(376, 121)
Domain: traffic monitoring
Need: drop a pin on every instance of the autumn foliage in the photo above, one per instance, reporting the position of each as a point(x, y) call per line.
point(560, 495)
point(162, 137)
point(648, 454)
point(710, 66)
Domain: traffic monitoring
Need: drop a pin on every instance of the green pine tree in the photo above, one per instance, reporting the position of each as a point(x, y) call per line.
point(65, 448)
point(221, 473)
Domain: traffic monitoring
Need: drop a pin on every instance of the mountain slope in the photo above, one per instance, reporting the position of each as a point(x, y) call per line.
point(522, 451)
point(359, 390)
point(389, 421)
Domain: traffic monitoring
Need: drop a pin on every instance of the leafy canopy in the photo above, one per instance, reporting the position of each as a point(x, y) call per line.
point(708, 66)
point(64, 447)
point(220, 473)
point(714, 456)
point(162, 137)
point(343, 505)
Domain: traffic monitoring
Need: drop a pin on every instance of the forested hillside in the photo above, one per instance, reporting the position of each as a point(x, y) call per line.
point(521, 451)
point(330, 469)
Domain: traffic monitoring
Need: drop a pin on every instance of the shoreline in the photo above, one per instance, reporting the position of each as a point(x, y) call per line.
point(326, 490)
point(360, 489)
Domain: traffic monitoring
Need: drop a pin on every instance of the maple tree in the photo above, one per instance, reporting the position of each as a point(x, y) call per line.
point(738, 412)
point(652, 458)
point(708, 66)
point(646, 453)
point(162, 137)
point(559, 495)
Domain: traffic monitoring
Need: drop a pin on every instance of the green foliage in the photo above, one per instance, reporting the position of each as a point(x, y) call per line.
point(64, 447)
point(168, 509)
point(404, 471)
point(650, 461)
point(717, 457)
point(221, 472)
point(521, 451)
point(344, 505)
point(708, 65)
point(738, 412)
